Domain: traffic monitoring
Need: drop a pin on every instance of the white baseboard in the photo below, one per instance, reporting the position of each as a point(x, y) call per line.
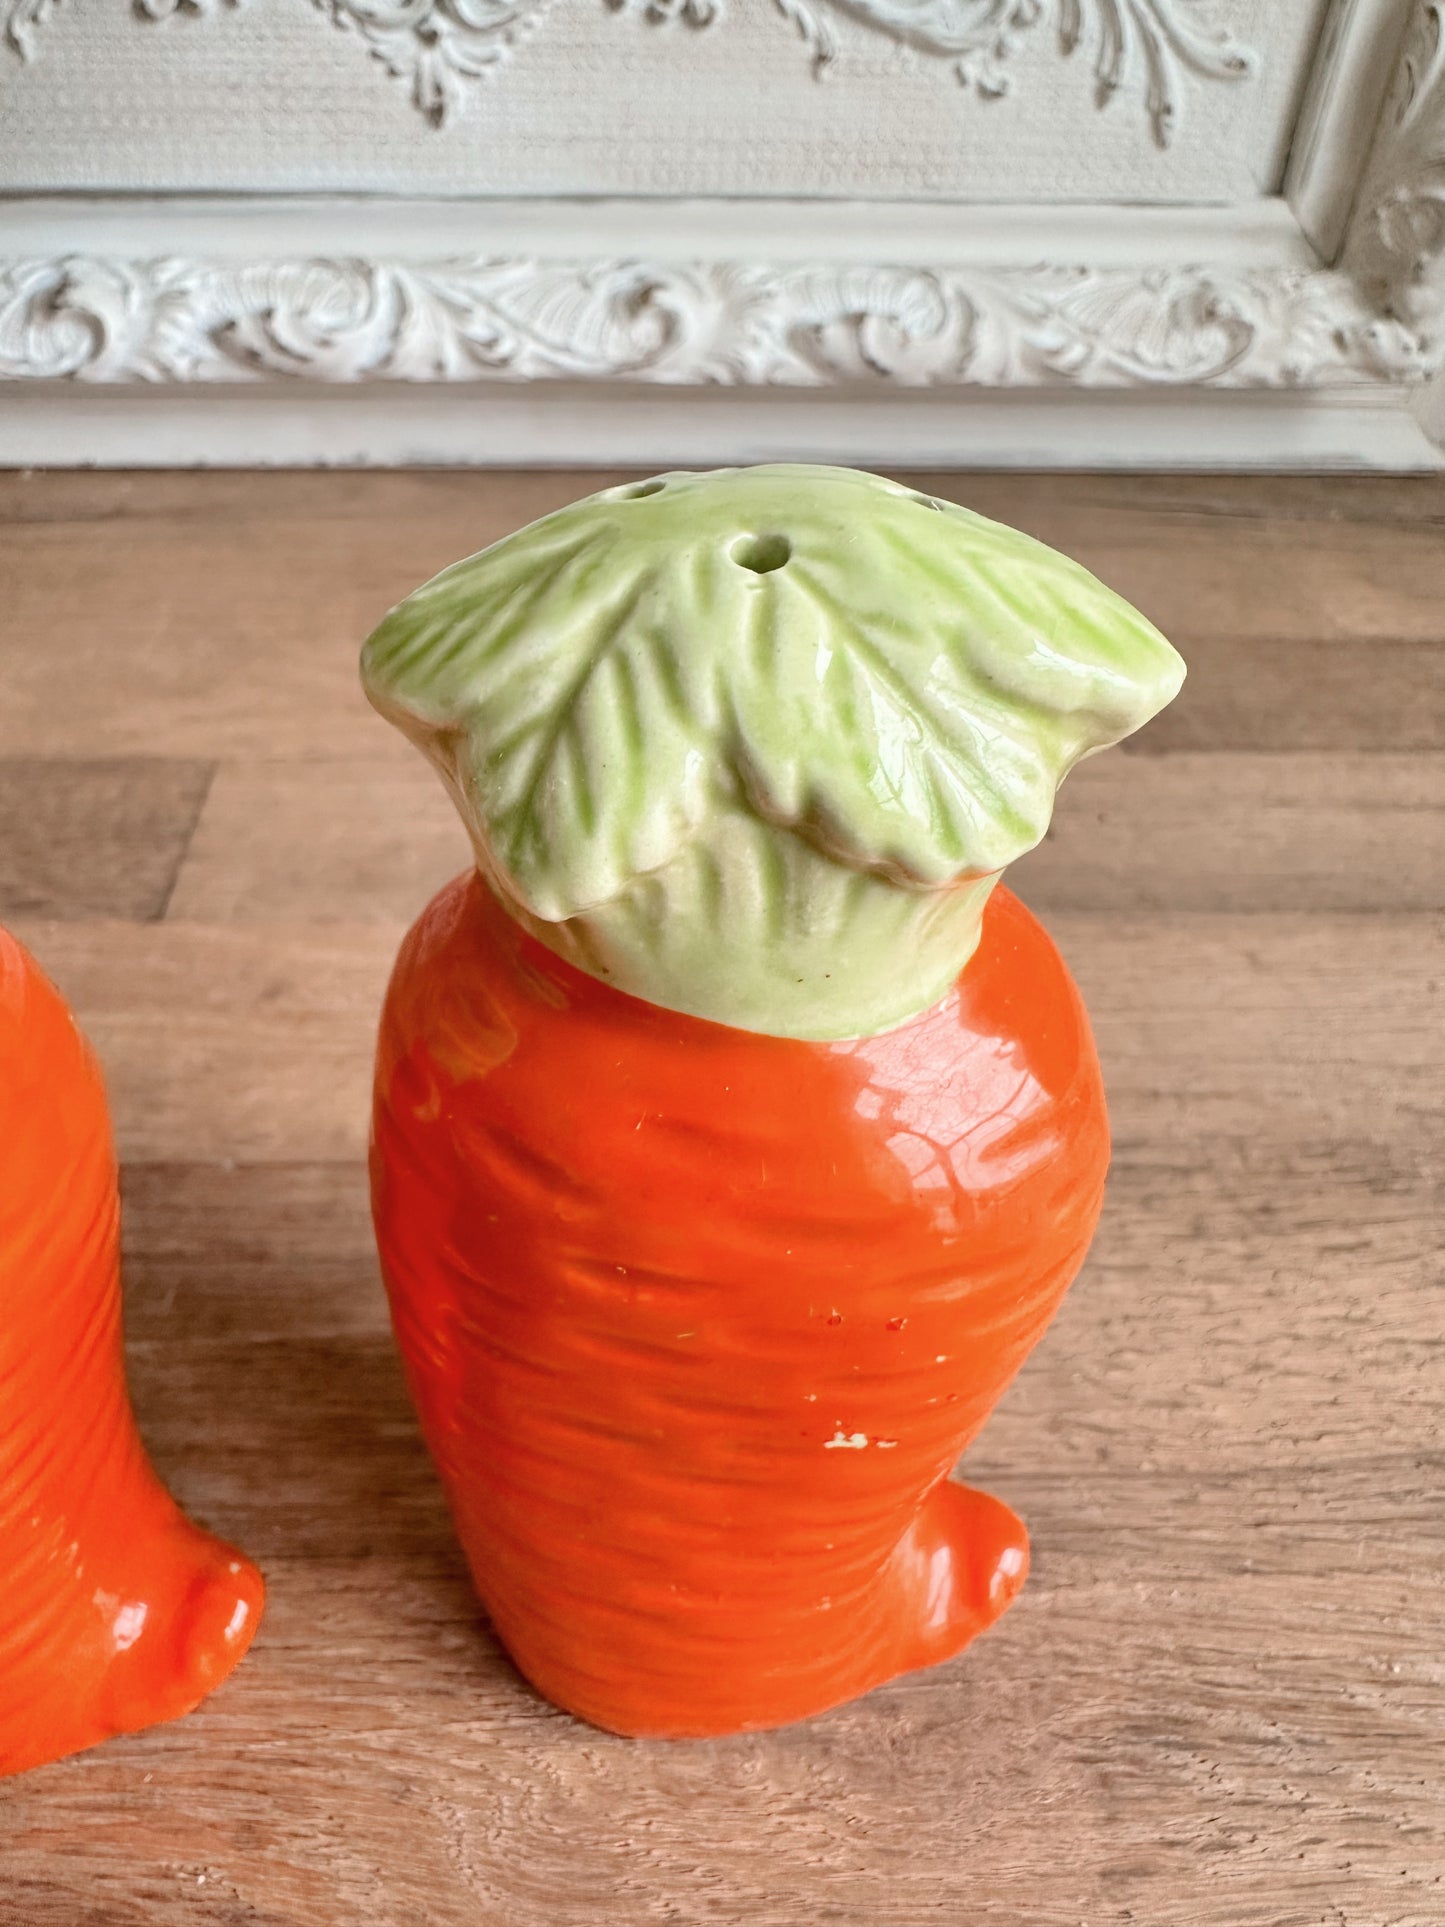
point(559, 424)
point(238, 331)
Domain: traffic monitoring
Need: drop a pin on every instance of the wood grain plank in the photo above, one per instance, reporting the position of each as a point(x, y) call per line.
point(227, 1044)
point(1226, 832)
point(255, 1042)
point(1216, 1662)
point(1150, 1742)
point(1228, 1635)
point(1248, 1322)
point(1243, 1300)
point(347, 840)
point(1246, 1307)
point(224, 619)
point(95, 838)
point(224, 1250)
point(1202, 561)
point(1270, 695)
point(1282, 1028)
point(1218, 1701)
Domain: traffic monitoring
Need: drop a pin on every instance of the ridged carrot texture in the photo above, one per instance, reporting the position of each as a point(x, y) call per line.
point(735, 1138)
point(115, 1611)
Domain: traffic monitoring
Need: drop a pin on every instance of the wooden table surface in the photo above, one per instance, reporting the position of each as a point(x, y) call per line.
point(1221, 1698)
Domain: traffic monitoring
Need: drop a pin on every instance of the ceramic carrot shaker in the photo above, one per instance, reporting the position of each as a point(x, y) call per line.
point(115, 1611)
point(736, 1135)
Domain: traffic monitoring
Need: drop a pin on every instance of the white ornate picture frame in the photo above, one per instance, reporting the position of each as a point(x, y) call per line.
point(1300, 327)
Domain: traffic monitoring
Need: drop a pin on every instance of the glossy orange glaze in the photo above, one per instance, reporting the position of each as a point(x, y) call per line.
point(698, 1320)
point(115, 1611)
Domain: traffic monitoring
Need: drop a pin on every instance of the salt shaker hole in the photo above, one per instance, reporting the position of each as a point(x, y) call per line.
point(761, 553)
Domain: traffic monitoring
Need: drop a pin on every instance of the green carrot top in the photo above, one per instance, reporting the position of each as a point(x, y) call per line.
point(756, 744)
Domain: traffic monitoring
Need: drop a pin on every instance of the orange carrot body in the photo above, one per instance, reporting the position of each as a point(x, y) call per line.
point(115, 1611)
point(698, 1320)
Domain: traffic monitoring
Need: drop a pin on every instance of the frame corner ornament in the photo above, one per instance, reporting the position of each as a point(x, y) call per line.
point(1395, 245)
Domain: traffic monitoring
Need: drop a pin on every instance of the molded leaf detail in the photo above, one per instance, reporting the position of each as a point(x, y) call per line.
point(896, 681)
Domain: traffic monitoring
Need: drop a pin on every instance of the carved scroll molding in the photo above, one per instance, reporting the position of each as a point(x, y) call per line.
point(22, 19)
point(1395, 248)
point(173, 320)
point(1147, 46)
point(438, 48)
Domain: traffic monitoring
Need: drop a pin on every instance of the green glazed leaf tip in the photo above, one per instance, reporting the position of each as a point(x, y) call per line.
point(756, 743)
